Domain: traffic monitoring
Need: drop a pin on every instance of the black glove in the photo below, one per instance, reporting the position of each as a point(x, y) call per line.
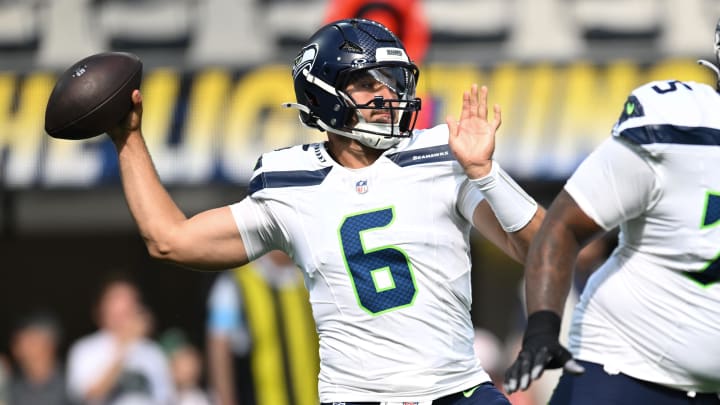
point(540, 350)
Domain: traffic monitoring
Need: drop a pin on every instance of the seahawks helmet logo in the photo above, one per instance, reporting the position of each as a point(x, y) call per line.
point(305, 59)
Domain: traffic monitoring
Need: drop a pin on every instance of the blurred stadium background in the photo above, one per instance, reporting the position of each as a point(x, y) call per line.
point(215, 74)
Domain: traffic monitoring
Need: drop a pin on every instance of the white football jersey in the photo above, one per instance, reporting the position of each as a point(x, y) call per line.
point(652, 311)
point(385, 253)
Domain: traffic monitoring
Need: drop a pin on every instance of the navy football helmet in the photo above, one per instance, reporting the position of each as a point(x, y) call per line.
point(341, 53)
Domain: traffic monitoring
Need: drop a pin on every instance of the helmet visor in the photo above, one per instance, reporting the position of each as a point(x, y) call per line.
point(389, 91)
point(399, 79)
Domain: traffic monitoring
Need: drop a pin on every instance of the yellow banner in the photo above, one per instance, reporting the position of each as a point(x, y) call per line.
point(212, 125)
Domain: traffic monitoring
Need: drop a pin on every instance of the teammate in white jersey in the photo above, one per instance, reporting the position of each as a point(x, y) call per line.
point(378, 218)
point(647, 327)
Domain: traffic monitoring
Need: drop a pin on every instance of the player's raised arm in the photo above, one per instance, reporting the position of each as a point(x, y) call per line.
point(88, 100)
point(208, 241)
point(508, 216)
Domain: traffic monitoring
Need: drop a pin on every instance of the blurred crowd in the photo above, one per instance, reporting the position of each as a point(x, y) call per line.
point(119, 363)
point(126, 362)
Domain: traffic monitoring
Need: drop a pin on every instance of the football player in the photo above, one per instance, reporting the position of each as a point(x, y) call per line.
point(377, 217)
point(646, 328)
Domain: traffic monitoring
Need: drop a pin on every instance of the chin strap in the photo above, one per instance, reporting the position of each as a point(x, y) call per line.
point(377, 141)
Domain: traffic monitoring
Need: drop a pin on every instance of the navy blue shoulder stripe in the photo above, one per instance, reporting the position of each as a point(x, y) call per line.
point(292, 178)
point(258, 164)
point(673, 134)
point(432, 154)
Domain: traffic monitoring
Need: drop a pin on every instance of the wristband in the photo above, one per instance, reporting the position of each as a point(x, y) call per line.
point(513, 207)
point(542, 325)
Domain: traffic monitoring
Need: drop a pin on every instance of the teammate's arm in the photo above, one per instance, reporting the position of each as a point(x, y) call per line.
point(613, 185)
point(549, 268)
point(207, 241)
point(548, 276)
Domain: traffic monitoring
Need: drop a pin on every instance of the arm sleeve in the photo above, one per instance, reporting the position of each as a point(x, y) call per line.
point(613, 184)
point(468, 199)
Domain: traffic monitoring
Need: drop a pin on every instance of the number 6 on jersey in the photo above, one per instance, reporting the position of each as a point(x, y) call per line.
point(382, 277)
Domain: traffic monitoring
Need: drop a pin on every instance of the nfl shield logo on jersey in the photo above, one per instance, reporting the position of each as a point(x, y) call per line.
point(361, 187)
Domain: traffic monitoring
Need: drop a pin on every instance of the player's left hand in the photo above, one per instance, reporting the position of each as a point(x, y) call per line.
point(472, 137)
point(540, 350)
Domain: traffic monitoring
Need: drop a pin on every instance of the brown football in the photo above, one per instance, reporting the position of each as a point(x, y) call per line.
point(93, 95)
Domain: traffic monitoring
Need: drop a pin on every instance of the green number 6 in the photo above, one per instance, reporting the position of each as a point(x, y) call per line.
point(382, 277)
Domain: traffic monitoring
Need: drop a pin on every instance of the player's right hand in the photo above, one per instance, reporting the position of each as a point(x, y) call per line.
point(132, 121)
point(540, 350)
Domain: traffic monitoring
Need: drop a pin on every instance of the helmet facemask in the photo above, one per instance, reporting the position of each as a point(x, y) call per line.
point(391, 118)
